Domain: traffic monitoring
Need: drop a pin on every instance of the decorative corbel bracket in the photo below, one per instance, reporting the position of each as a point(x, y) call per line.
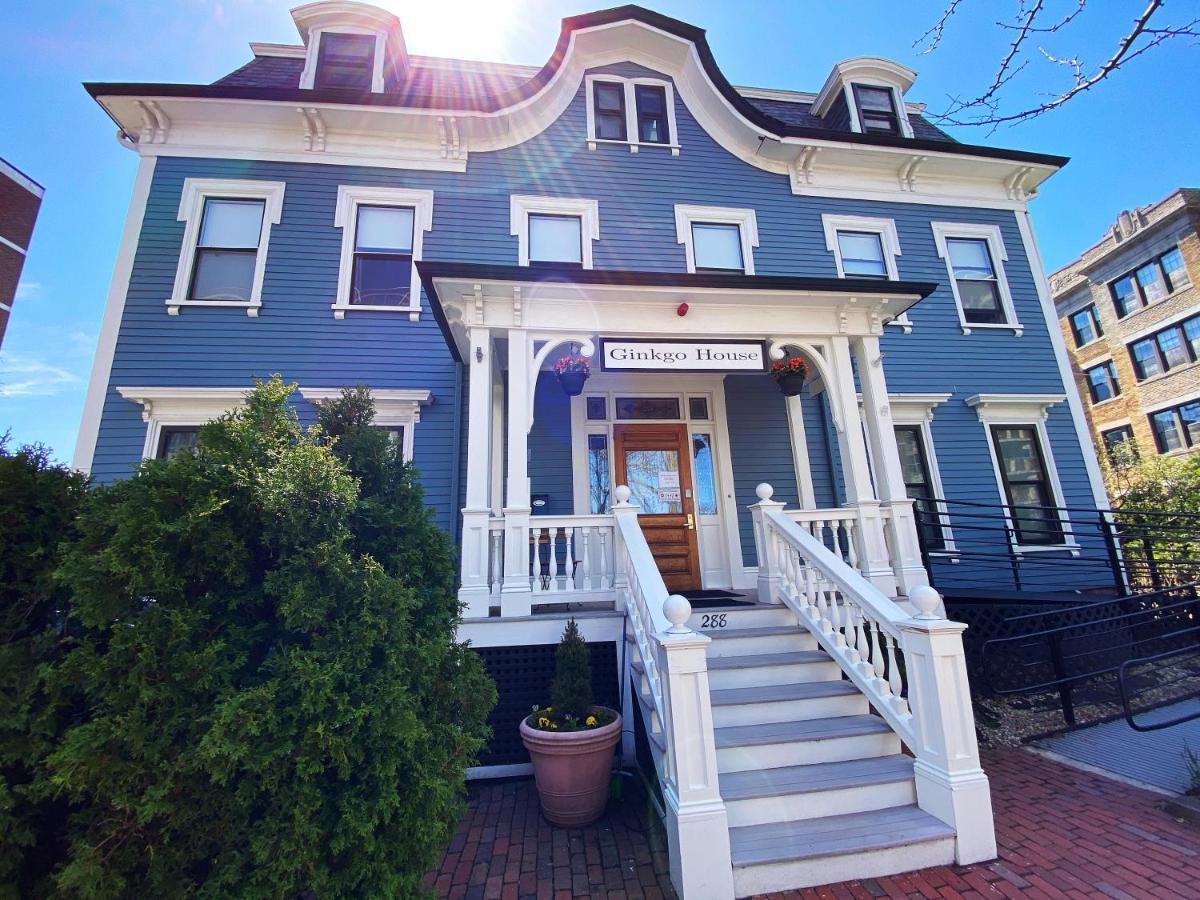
point(314, 128)
point(908, 172)
point(587, 349)
point(801, 168)
point(156, 127)
point(1015, 184)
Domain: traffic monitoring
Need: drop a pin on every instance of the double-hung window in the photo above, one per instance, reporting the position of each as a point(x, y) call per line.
point(1177, 428)
point(608, 100)
point(227, 230)
point(345, 61)
point(227, 250)
point(876, 109)
point(650, 101)
point(918, 484)
point(1085, 325)
point(1119, 443)
point(174, 439)
point(1172, 347)
point(1102, 381)
point(382, 235)
point(717, 247)
point(1026, 483)
point(555, 239)
point(383, 256)
point(975, 256)
point(716, 239)
point(1125, 295)
point(1149, 283)
point(1174, 269)
point(862, 254)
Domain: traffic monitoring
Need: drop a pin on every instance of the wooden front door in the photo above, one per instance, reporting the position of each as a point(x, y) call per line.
point(656, 463)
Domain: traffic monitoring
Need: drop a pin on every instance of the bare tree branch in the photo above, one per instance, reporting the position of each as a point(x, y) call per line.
point(985, 109)
point(933, 36)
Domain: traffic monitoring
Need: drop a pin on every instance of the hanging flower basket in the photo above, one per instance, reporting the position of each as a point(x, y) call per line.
point(790, 374)
point(572, 372)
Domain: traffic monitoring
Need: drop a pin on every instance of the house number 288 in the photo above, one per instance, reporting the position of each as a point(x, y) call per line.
point(713, 620)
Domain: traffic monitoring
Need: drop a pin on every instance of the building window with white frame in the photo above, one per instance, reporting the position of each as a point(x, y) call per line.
point(397, 411)
point(975, 257)
point(877, 111)
point(226, 235)
point(637, 112)
point(608, 98)
point(173, 439)
point(174, 415)
point(717, 240)
point(556, 231)
point(862, 254)
point(650, 103)
point(1027, 487)
point(345, 61)
point(382, 236)
point(918, 484)
point(865, 247)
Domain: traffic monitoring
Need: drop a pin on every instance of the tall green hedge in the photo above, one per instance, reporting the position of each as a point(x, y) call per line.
point(272, 699)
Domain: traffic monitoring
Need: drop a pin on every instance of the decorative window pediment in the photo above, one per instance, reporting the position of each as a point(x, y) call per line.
point(548, 228)
point(397, 410)
point(171, 413)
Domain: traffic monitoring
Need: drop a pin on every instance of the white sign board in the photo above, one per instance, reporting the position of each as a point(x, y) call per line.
point(631, 355)
point(668, 479)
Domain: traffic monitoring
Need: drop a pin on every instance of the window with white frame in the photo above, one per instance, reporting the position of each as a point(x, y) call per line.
point(227, 231)
point(1023, 461)
point(554, 230)
point(397, 411)
point(975, 257)
point(345, 61)
point(865, 247)
point(382, 235)
point(717, 239)
point(877, 108)
point(174, 415)
point(639, 112)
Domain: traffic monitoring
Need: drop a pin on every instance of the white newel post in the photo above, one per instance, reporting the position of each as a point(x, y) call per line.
point(873, 557)
point(951, 784)
point(764, 547)
point(701, 865)
point(474, 592)
point(889, 477)
point(515, 594)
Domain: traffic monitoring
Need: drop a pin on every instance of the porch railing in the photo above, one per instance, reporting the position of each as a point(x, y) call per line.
point(835, 528)
point(566, 555)
point(911, 668)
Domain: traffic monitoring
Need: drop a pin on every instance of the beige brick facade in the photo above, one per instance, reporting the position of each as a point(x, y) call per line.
point(1136, 238)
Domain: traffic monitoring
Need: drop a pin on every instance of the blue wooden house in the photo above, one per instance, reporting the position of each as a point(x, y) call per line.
point(466, 239)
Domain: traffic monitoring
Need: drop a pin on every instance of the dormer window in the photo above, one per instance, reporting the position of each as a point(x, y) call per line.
point(637, 112)
point(610, 111)
point(345, 61)
point(876, 109)
point(651, 102)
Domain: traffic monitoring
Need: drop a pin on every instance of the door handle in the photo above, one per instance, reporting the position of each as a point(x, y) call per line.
point(691, 522)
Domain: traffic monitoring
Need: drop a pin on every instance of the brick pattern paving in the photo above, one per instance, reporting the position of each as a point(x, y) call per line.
point(1062, 833)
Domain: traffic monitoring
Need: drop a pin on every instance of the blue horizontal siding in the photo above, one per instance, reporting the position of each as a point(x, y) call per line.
point(297, 336)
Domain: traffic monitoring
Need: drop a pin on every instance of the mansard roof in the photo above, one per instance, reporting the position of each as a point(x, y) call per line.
point(466, 88)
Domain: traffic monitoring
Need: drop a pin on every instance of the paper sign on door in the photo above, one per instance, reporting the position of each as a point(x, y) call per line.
point(668, 486)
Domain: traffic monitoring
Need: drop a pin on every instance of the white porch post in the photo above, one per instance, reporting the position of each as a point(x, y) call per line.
point(951, 784)
point(873, 557)
point(515, 595)
point(475, 592)
point(889, 478)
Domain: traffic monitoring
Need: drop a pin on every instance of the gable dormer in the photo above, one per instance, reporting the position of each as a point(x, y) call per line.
point(350, 46)
point(866, 95)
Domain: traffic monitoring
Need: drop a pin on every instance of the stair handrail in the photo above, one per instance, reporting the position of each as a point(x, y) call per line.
point(911, 668)
point(675, 675)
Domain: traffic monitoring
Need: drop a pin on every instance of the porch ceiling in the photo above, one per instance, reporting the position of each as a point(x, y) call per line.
point(598, 301)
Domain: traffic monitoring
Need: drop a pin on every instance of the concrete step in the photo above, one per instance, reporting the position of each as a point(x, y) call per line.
point(763, 669)
point(824, 789)
point(786, 703)
point(769, 639)
point(743, 748)
point(795, 854)
point(726, 618)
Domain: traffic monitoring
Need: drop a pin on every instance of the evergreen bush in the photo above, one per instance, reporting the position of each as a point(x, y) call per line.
point(276, 704)
point(571, 692)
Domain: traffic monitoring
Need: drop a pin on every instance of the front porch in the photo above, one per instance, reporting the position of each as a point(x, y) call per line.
point(537, 530)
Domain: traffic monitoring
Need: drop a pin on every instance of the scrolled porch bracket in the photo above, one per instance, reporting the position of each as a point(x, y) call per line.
point(586, 349)
point(777, 348)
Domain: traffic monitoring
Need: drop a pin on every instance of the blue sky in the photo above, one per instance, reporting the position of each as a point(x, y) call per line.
point(1132, 140)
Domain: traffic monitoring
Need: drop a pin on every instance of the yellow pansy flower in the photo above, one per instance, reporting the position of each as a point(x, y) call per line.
point(543, 722)
point(591, 721)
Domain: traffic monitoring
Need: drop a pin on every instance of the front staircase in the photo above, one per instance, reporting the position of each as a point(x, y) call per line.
point(819, 735)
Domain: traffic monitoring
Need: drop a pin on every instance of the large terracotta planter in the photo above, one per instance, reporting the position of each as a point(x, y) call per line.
point(572, 770)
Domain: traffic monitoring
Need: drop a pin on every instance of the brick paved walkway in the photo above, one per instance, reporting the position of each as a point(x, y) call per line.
point(1062, 833)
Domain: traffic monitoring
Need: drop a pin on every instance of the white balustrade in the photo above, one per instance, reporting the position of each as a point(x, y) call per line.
point(565, 554)
point(912, 669)
point(835, 528)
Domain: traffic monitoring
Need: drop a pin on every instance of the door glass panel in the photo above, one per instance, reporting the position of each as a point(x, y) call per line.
point(598, 479)
point(702, 471)
point(653, 479)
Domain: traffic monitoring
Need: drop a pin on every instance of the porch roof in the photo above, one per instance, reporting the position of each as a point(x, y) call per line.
point(457, 280)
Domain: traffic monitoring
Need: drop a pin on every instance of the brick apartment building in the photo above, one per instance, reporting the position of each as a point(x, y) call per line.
point(20, 198)
point(1130, 312)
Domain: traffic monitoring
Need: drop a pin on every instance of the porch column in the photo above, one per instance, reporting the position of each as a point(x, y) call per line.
point(516, 593)
point(475, 591)
point(901, 524)
point(873, 557)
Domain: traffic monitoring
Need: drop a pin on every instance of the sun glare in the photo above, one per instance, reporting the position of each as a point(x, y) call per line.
point(463, 29)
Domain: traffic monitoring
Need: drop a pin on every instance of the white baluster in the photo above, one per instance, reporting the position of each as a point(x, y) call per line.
point(894, 680)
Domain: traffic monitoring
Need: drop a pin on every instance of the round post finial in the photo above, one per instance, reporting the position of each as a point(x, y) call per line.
point(678, 610)
point(926, 601)
point(622, 493)
point(764, 491)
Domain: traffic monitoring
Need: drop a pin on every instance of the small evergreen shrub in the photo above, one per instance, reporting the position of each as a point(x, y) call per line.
point(572, 708)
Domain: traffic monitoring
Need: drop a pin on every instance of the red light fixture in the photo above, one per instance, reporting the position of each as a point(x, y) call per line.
point(682, 309)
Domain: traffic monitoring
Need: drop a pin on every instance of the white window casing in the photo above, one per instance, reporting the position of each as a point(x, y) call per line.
point(917, 409)
point(191, 212)
point(349, 198)
point(631, 129)
point(888, 238)
point(1027, 410)
point(308, 76)
point(394, 408)
point(999, 255)
point(897, 104)
point(588, 211)
point(180, 406)
point(745, 219)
